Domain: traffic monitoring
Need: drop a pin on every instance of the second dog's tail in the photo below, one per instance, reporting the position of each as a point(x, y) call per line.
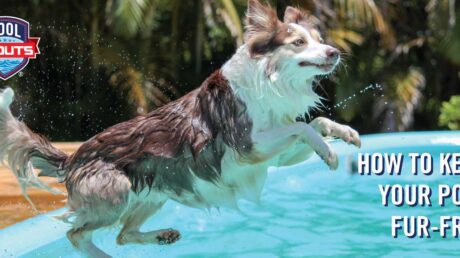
point(24, 150)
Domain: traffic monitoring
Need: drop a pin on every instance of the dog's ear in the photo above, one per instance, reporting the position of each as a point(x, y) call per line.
point(262, 24)
point(294, 15)
point(260, 18)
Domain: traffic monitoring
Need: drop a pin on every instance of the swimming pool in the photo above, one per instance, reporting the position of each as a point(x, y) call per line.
point(306, 210)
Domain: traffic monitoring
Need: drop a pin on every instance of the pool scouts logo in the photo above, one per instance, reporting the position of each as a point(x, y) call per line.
point(16, 47)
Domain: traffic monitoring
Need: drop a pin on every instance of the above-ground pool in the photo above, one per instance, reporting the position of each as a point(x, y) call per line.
point(306, 210)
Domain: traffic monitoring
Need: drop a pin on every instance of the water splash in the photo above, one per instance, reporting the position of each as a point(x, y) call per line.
point(376, 88)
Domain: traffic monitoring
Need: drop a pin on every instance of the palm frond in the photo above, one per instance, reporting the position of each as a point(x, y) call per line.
point(155, 94)
point(127, 17)
point(232, 20)
point(343, 37)
point(363, 13)
point(129, 80)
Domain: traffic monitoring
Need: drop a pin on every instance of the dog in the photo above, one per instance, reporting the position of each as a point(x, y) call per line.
point(207, 149)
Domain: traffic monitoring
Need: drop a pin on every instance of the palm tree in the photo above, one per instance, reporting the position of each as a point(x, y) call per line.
point(131, 18)
point(131, 56)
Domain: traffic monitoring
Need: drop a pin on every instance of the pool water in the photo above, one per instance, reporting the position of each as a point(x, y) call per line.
point(306, 210)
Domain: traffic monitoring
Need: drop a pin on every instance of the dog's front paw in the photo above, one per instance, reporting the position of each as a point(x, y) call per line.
point(350, 136)
point(330, 157)
point(329, 128)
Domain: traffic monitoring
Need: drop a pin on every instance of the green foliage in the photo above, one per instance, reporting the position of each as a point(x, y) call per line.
point(105, 61)
point(450, 45)
point(450, 113)
point(410, 47)
point(129, 17)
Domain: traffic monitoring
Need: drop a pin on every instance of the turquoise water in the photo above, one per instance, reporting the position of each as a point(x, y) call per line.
point(306, 210)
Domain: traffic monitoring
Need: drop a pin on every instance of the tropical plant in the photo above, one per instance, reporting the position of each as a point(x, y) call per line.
point(104, 61)
point(450, 113)
point(395, 47)
point(136, 20)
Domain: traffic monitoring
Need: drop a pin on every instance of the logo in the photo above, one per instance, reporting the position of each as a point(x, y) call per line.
point(16, 47)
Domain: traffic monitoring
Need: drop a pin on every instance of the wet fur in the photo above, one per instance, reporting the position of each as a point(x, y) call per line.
point(170, 148)
point(207, 149)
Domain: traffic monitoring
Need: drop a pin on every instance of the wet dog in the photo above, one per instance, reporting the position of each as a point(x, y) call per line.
point(207, 149)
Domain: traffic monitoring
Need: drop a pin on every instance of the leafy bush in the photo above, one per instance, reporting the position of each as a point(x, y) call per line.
point(450, 113)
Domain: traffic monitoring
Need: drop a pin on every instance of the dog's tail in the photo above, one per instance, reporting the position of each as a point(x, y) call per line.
point(23, 150)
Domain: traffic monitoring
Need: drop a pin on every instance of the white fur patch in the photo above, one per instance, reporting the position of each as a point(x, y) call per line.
point(247, 179)
point(270, 101)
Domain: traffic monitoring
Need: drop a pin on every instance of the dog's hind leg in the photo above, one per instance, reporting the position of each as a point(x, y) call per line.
point(81, 238)
point(98, 196)
point(133, 220)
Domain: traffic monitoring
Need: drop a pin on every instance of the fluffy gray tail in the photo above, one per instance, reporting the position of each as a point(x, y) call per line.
point(23, 150)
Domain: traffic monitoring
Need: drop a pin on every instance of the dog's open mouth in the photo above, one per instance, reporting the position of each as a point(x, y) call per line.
point(325, 66)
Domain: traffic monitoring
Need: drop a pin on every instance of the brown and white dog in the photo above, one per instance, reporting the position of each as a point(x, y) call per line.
point(207, 149)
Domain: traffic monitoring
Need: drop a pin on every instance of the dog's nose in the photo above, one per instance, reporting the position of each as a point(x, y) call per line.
point(332, 53)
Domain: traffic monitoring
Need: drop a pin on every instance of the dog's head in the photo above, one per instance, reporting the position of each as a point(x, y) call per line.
point(291, 46)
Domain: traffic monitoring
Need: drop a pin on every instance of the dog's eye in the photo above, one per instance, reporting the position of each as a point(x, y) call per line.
point(299, 42)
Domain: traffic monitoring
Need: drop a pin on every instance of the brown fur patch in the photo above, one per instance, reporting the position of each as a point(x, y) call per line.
point(260, 19)
point(294, 15)
point(297, 16)
point(160, 148)
point(265, 33)
point(262, 29)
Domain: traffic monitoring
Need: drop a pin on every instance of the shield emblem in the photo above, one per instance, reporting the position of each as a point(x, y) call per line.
point(16, 47)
